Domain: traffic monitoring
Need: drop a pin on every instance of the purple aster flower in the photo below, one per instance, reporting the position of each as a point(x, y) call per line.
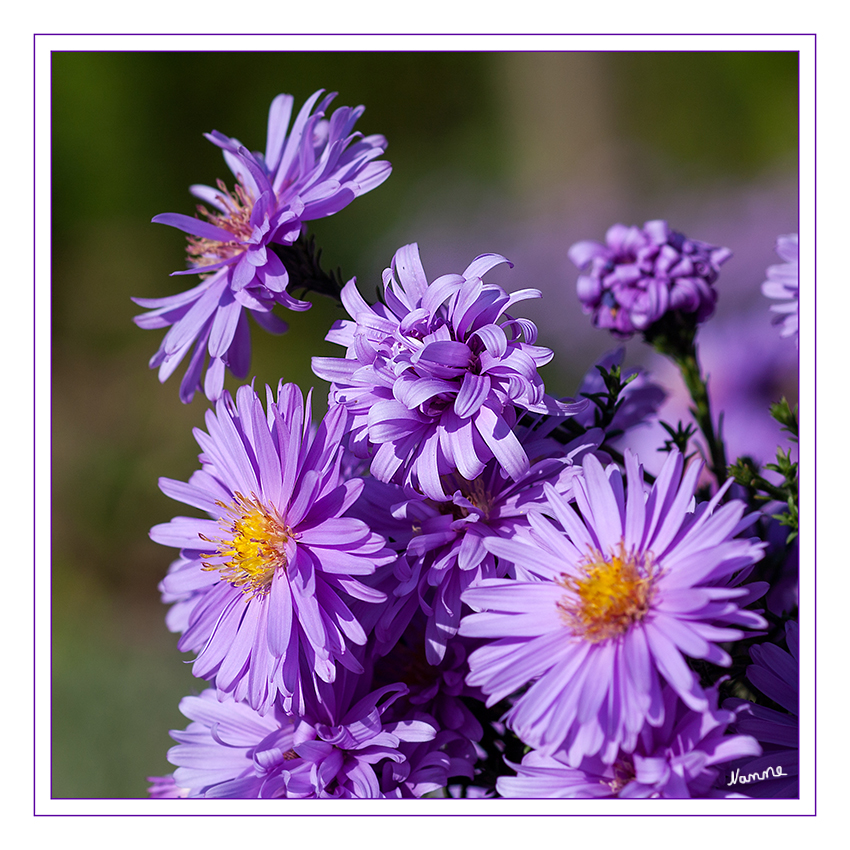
point(776, 674)
point(640, 274)
point(446, 554)
point(264, 584)
point(783, 283)
point(633, 581)
point(433, 375)
point(229, 750)
point(314, 170)
point(678, 759)
point(469, 792)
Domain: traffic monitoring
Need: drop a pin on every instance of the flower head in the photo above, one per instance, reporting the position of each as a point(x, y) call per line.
point(229, 750)
point(433, 375)
point(678, 759)
point(783, 284)
point(264, 585)
point(615, 597)
point(639, 274)
point(308, 171)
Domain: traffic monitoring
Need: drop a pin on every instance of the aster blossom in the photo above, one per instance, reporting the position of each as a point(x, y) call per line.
point(684, 757)
point(266, 583)
point(783, 284)
point(308, 171)
point(433, 375)
point(229, 750)
point(640, 274)
point(618, 591)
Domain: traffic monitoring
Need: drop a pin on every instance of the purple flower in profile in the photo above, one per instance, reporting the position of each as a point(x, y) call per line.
point(640, 274)
point(783, 284)
point(229, 750)
point(678, 759)
point(776, 674)
point(428, 766)
point(265, 585)
point(615, 599)
point(433, 375)
point(314, 170)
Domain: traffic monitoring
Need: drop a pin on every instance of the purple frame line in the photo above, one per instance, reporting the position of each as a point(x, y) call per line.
point(425, 34)
point(532, 35)
point(34, 409)
point(815, 406)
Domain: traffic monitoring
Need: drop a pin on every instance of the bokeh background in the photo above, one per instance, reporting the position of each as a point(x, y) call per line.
point(521, 154)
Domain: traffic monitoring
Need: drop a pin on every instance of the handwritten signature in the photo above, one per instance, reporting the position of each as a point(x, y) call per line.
point(767, 773)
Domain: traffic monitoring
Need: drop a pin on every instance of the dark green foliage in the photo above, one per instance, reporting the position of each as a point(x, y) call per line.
point(747, 473)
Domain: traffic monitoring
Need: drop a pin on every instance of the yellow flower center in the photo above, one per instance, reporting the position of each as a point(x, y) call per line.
point(253, 546)
point(608, 595)
point(237, 220)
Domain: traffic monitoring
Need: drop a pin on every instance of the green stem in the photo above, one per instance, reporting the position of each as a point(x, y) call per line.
point(701, 411)
point(674, 336)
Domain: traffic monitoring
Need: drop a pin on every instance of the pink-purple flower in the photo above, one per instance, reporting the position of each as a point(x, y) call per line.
point(434, 374)
point(440, 694)
point(229, 750)
point(684, 757)
point(265, 585)
point(618, 591)
point(640, 274)
point(783, 284)
point(308, 171)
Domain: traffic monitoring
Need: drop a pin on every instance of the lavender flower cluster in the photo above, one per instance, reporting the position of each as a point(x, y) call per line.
point(455, 583)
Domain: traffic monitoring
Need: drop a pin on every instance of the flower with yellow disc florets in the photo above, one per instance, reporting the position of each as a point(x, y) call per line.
point(264, 587)
point(309, 170)
point(617, 590)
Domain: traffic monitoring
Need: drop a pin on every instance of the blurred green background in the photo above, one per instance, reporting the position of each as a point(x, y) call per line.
point(517, 153)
